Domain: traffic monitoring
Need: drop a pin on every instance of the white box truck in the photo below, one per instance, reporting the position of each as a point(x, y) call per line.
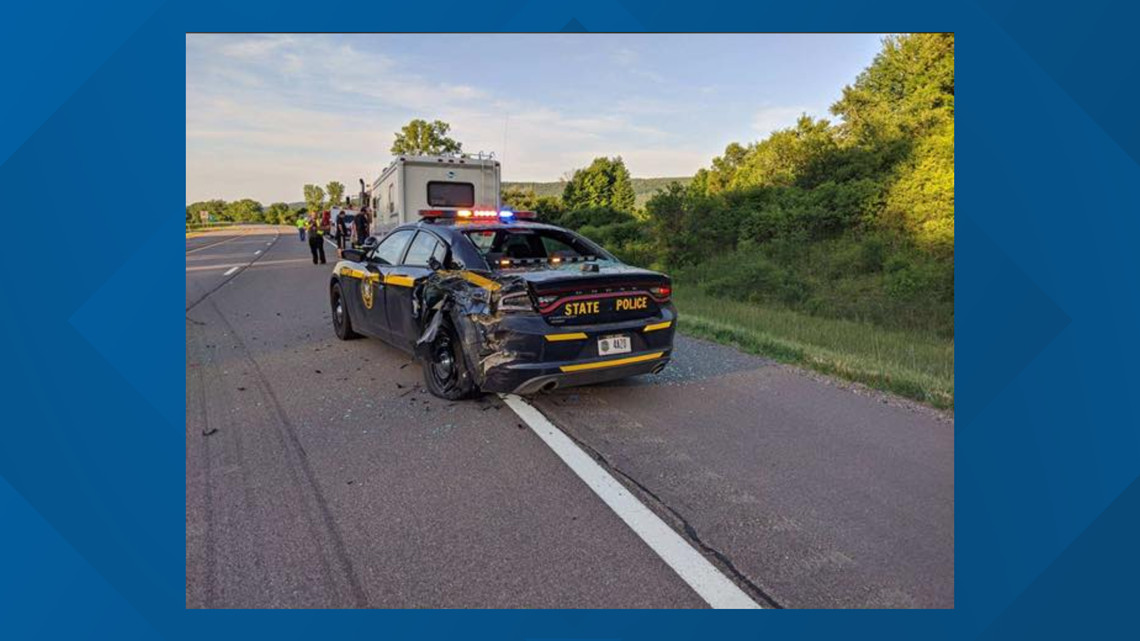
point(414, 183)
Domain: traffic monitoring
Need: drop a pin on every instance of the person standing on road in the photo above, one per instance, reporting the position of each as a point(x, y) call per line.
point(341, 229)
point(316, 240)
point(301, 223)
point(360, 226)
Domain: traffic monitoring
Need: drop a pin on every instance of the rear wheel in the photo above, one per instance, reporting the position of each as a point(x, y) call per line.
point(445, 371)
point(342, 322)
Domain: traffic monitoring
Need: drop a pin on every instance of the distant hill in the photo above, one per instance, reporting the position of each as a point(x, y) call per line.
point(643, 188)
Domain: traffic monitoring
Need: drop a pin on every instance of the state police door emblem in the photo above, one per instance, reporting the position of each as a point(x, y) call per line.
point(366, 293)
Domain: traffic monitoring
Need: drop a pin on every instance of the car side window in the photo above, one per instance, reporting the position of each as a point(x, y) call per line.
point(440, 253)
point(390, 249)
point(423, 247)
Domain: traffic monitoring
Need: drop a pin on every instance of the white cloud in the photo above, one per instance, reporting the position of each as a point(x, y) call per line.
point(625, 57)
point(265, 115)
point(255, 47)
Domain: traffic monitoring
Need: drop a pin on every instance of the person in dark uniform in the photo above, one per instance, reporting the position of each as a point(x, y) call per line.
point(316, 240)
point(360, 226)
point(341, 230)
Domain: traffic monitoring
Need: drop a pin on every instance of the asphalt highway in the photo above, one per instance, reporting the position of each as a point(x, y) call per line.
point(319, 473)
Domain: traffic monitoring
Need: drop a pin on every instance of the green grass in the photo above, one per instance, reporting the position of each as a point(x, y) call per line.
point(914, 365)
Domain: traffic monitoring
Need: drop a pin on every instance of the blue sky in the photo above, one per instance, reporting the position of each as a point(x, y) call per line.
point(266, 114)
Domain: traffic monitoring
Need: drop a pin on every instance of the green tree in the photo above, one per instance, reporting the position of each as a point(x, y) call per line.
point(314, 199)
point(245, 210)
point(724, 168)
point(901, 108)
point(908, 90)
point(605, 183)
point(921, 199)
point(519, 199)
point(279, 213)
point(336, 194)
point(216, 209)
point(423, 138)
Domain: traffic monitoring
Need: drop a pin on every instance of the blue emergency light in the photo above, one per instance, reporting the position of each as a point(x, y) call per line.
point(478, 214)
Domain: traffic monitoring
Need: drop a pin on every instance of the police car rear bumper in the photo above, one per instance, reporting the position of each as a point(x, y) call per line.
point(534, 380)
point(539, 357)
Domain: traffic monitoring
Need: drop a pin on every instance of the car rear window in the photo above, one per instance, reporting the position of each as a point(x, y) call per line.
point(448, 194)
point(530, 245)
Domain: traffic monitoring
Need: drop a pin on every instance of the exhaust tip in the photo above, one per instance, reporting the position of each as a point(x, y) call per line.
point(549, 386)
point(657, 369)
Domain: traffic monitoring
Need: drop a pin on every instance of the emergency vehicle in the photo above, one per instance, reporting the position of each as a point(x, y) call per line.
point(413, 183)
point(489, 301)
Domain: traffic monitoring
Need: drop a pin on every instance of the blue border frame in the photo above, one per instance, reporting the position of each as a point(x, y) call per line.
point(91, 485)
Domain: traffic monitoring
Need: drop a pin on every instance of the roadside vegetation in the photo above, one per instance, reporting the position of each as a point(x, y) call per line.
point(912, 364)
point(643, 188)
point(827, 244)
point(247, 210)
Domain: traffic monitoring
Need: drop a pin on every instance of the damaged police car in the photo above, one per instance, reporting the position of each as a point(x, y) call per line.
point(490, 301)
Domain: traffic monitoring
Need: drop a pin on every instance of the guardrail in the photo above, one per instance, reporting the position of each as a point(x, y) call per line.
point(221, 224)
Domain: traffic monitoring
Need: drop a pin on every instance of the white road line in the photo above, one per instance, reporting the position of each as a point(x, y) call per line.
point(705, 579)
point(221, 242)
point(232, 270)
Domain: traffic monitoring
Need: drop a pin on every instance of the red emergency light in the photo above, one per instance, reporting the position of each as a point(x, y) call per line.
point(478, 214)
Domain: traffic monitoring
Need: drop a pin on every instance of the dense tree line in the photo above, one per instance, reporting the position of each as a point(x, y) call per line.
point(853, 219)
point(248, 210)
point(245, 210)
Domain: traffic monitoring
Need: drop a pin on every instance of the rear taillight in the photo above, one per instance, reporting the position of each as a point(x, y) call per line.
point(661, 293)
point(517, 302)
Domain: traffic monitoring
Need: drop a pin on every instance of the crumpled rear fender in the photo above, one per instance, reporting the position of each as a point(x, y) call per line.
point(470, 303)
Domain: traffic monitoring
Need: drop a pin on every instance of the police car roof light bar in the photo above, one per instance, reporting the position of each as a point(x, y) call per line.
point(484, 214)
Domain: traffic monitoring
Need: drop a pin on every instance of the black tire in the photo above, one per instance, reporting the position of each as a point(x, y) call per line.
point(445, 368)
point(342, 321)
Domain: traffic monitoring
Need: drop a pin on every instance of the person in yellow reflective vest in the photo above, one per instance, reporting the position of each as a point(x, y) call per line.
point(301, 223)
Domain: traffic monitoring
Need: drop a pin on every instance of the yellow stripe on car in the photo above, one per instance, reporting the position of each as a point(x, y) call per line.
point(399, 281)
point(656, 326)
point(572, 336)
point(476, 279)
point(356, 273)
point(614, 363)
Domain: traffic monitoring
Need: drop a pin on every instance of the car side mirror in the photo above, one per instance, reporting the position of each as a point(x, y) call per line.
point(355, 255)
point(434, 264)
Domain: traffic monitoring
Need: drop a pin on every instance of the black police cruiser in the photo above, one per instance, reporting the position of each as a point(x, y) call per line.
point(489, 301)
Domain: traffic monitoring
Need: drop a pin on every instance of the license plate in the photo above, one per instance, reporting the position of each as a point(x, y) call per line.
point(613, 345)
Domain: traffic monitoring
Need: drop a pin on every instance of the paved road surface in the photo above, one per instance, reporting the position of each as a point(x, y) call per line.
point(319, 473)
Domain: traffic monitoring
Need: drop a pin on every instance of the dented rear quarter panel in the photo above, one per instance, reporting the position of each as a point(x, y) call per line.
point(501, 348)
